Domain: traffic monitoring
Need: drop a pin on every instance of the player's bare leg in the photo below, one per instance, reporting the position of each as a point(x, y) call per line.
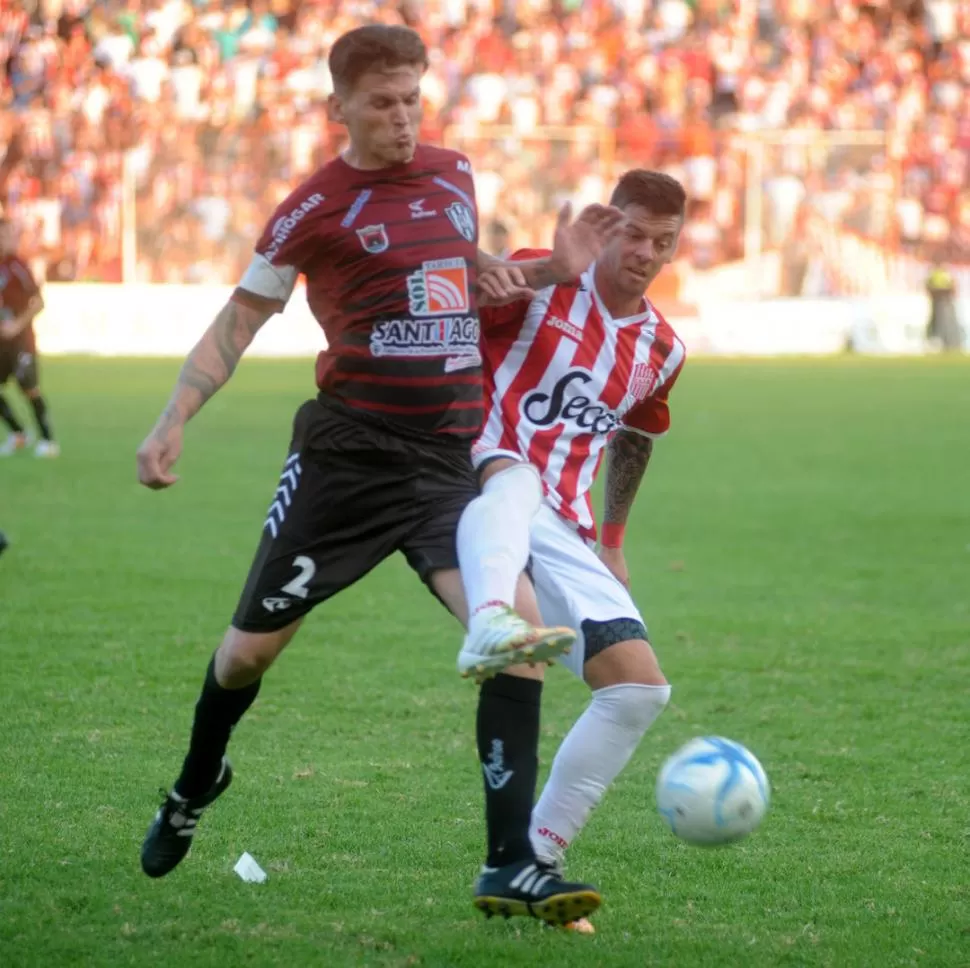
point(493, 550)
point(46, 445)
point(512, 883)
point(16, 437)
point(231, 685)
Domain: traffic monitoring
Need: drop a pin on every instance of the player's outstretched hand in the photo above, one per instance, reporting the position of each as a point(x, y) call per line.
point(502, 284)
point(157, 455)
point(615, 560)
point(579, 243)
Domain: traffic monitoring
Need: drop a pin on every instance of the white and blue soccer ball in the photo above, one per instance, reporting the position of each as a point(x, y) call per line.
point(712, 791)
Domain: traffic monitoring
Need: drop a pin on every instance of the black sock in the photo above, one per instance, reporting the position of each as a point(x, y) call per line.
point(508, 744)
point(42, 418)
point(6, 415)
point(216, 713)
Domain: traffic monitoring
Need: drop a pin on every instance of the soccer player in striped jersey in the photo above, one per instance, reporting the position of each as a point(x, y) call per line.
point(379, 461)
point(581, 369)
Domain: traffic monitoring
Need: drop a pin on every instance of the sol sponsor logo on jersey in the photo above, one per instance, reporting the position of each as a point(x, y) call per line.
point(463, 220)
point(439, 288)
point(283, 226)
point(374, 238)
point(438, 298)
point(566, 403)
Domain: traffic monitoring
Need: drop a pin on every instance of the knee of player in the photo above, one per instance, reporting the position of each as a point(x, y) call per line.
point(516, 482)
point(244, 658)
point(618, 652)
point(633, 705)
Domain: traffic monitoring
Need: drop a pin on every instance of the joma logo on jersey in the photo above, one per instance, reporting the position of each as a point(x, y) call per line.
point(439, 288)
point(568, 403)
point(643, 380)
point(282, 227)
point(454, 336)
point(564, 326)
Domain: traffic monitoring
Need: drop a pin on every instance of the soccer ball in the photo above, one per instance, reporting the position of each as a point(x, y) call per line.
point(712, 791)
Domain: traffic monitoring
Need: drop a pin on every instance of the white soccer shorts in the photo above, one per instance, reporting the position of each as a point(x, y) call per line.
point(572, 584)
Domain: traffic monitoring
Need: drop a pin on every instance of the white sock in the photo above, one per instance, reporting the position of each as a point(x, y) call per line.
point(589, 759)
point(493, 539)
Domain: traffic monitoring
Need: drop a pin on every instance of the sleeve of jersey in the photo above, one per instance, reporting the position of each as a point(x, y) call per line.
point(496, 318)
point(282, 251)
point(26, 279)
point(651, 417)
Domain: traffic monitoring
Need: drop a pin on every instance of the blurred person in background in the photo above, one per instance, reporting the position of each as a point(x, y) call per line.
point(943, 328)
point(20, 302)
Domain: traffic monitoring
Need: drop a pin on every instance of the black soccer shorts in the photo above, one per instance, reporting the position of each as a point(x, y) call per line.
point(19, 361)
point(352, 492)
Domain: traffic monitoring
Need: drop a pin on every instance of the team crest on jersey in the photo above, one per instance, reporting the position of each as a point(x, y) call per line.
point(439, 288)
point(643, 380)
point(461, 217)
point(374, 238)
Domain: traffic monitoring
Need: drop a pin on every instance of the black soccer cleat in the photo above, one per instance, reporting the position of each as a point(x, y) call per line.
point(170, 836)
point(526, 889)
point(3, 542)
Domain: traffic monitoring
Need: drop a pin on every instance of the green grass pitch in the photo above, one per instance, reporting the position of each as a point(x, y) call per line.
point(801, 552)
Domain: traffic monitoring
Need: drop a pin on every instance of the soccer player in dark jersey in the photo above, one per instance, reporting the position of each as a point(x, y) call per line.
point(20, 302)
point(379, 461)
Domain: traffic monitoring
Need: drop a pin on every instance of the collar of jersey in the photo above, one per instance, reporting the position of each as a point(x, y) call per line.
point(589, 278)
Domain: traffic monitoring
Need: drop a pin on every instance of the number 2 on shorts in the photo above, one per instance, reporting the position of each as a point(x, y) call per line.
point(298, 586)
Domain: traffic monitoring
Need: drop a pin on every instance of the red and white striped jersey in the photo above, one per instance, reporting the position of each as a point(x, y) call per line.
point(562, 375)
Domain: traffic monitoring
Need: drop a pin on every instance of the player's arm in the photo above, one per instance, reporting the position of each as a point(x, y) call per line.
point(627, 456)
point(214, 358)
point(34, 304)
point(14, 327)
point(264, 290)
point(576, 245)
point(207, 368)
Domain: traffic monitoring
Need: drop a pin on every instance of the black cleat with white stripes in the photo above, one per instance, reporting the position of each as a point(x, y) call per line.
point(527, 889)
point(170, 836)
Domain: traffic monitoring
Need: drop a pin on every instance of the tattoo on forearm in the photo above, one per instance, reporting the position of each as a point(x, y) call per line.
point(213, 361)
point(627, 457)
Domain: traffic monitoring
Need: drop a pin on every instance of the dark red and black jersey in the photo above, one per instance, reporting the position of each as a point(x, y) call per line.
point(390, 263)
point(17, 288)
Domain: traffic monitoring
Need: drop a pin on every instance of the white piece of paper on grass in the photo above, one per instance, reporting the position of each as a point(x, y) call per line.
point(247, 868)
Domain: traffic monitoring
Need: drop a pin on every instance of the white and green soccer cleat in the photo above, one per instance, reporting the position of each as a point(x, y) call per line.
point(506, 640)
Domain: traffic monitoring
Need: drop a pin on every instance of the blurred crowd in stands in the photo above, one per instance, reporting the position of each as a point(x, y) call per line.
point(184, 122)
